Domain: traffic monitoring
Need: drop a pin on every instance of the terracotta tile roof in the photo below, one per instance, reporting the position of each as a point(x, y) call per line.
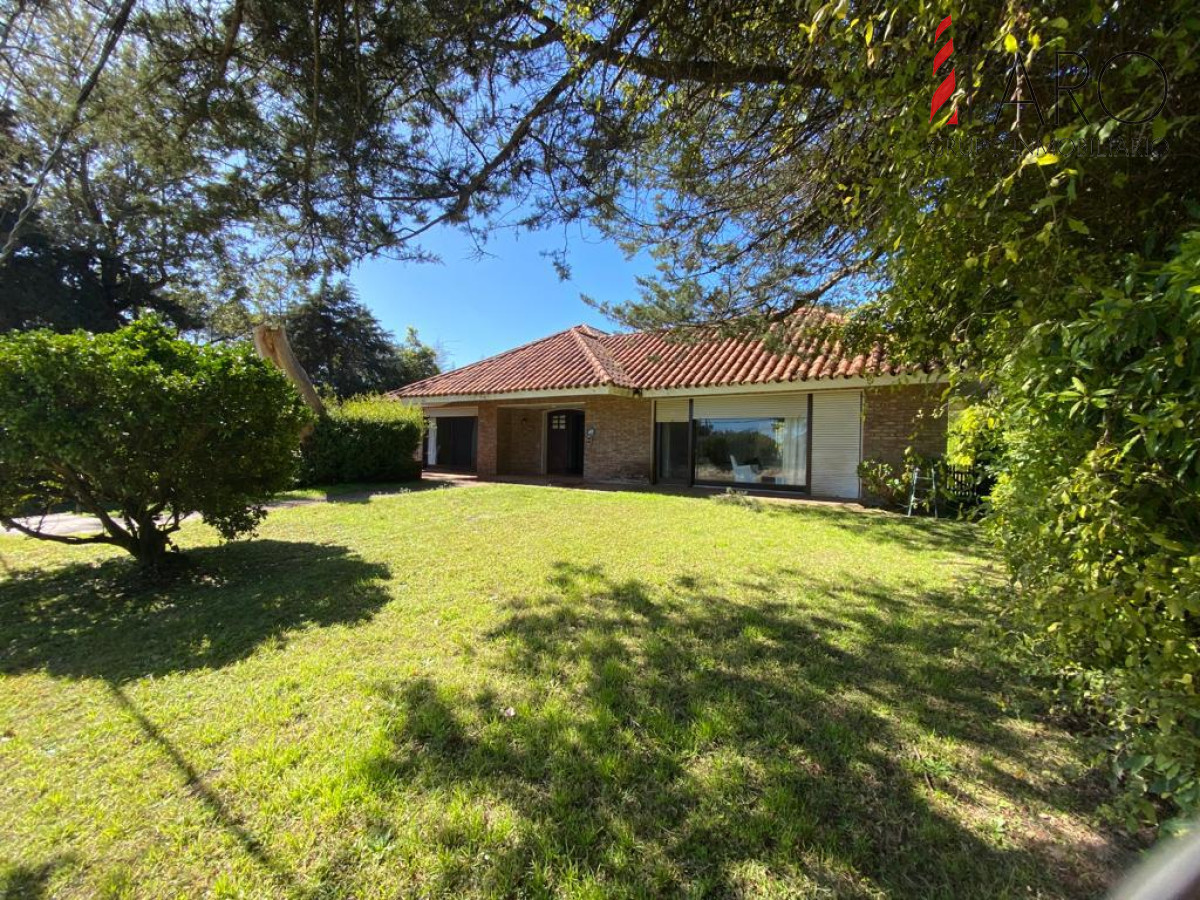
point(585, 357)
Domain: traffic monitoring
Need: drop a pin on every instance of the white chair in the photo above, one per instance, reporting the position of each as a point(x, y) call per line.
point(743, 474)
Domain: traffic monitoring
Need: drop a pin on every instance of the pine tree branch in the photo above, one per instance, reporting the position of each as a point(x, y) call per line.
point(116, 29)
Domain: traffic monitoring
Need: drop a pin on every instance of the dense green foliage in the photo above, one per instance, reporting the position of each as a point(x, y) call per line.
point(365, 439)
point(141, 429)
point(346, 351)
point(975, 436)
point(1065, 279)
point(1099, 516)
point(65, 287)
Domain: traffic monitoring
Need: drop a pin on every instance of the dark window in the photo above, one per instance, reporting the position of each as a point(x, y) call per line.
point(455, 442)
point(673, 452)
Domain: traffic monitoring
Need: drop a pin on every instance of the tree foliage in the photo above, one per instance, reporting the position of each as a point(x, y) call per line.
point(62, 287)
point(346, 351)
point(1098, 513)
point(141, 429)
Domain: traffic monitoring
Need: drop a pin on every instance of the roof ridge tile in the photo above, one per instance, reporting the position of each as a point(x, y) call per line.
point(594, 361)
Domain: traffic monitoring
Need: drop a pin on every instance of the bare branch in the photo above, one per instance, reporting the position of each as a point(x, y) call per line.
point(15, 525)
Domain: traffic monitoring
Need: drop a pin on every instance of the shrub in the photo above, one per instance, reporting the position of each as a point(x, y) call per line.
point(370, 438)
point(884, 482)
point(975, 436)
point(1098, 512)
point(141, 429)
point(891, 484)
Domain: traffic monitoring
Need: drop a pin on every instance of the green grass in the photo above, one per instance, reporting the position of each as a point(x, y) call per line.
point(337, 491)
point(512, 691)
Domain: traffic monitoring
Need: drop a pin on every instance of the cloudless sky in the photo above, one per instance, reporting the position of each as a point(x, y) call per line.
point(475, 308)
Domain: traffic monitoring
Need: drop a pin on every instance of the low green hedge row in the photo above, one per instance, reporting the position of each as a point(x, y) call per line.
point(366, 439)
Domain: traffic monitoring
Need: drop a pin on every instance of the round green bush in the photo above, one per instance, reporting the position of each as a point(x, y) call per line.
point(141, 429)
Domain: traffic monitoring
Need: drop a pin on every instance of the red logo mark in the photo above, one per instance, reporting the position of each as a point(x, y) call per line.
point(946, 88)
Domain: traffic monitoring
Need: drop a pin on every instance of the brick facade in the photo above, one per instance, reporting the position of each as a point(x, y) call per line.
point(510, 438)
point(899, 416)
point(486, 438)
point(519, 447)
point(510, 434)
point(622, 447)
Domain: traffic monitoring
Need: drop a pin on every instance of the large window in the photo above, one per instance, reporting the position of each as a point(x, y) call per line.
point(764, 451)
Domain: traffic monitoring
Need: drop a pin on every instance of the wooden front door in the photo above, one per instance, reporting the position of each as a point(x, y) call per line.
point(564, 442)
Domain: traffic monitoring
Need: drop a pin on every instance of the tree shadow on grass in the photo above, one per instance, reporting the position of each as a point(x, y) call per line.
point(30, 882)
point(665, 742)
point(919, 533)
point(365, 492)
point(104, 621)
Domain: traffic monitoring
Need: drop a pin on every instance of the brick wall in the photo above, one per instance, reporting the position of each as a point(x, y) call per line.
point(486, 440)
point(622, 448)
point(899, 416)
point(519, 447)
point(510, 438)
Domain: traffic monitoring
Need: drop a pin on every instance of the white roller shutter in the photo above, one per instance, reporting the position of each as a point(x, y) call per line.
point(749, 406)
point(671, 410)
point(836, 443)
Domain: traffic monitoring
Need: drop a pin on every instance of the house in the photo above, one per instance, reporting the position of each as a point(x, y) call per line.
point(712, 410)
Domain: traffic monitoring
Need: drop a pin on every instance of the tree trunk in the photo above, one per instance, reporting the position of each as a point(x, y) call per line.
point(150, 544)
point(272, 344)
point(152, 550)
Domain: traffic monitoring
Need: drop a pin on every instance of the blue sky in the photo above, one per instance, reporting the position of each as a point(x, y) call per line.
point(475, 308)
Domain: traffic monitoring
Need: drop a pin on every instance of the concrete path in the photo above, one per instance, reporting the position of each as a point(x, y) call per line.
point(69, 523)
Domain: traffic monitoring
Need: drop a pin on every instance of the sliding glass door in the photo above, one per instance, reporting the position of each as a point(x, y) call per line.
point(759, 439)
point(673, 462)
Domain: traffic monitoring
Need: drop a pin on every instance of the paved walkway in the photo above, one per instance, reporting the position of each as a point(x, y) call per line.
point(70, 523)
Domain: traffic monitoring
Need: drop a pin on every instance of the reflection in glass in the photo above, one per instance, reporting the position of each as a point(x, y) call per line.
point(753, 450)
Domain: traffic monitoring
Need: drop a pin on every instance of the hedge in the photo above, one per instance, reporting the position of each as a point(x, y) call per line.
point(365, 439)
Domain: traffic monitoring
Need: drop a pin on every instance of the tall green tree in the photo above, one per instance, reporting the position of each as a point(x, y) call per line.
point(346, 351)
point(51, 285)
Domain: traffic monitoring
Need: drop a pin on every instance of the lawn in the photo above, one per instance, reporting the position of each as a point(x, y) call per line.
point(510, 691)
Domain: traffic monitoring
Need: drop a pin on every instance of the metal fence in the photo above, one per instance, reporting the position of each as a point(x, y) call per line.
point(965, 485)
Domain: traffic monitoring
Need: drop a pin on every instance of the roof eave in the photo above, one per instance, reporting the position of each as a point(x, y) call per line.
point(547, 393)
point(837, 382)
